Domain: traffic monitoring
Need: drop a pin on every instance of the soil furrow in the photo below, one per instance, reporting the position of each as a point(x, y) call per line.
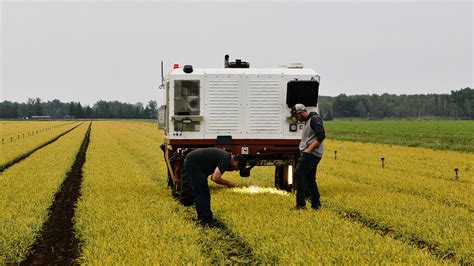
point(57, 243)
point(225, 247)
point(26, 155)
point(221, 245)
point(414, 240)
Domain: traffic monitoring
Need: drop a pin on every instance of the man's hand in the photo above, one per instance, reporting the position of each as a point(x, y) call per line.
point(217, 178)
point(312, 146)
point(230, 184)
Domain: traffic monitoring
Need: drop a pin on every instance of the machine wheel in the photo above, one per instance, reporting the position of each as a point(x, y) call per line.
point(281, 178)
point(175, 192)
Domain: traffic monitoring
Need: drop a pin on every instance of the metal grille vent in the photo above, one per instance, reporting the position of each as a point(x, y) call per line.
point(223, 106)
point(264, 107)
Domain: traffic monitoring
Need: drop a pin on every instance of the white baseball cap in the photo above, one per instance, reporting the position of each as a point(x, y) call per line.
point(298, 108)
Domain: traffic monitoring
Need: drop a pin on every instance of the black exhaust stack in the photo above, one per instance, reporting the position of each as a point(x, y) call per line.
point(226, 61)
point(237, 64)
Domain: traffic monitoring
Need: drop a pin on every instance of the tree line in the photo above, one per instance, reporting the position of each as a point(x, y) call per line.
point(458, 105)
point(59, 110)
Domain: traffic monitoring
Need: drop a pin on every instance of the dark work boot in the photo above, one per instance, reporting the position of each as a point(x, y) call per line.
point(212, 223)
point(316, 206)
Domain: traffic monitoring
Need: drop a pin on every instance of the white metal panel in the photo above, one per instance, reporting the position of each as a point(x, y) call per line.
point(223, 106)
point(264, 106)
point(244, 71)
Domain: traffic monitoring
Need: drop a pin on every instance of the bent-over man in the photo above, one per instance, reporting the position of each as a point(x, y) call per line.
point(201, 163)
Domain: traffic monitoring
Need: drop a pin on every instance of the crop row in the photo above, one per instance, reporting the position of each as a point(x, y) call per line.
point(123, 215)
point(278, 234)
point(451, 193)
point(417, 161)
point(28, 189)
point(11, 151)
point(16, 128)
point(446, 231)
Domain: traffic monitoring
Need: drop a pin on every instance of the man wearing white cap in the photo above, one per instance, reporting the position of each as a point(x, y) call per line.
point(311, 147)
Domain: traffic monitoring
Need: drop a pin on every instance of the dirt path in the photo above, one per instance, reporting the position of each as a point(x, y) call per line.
point(58, 244)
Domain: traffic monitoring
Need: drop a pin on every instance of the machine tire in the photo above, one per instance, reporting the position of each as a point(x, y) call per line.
point(280, 181)
point(175, 193)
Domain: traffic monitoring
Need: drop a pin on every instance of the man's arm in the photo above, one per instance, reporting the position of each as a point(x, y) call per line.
point(312, 146)
point(320, 134)
point(217, 178)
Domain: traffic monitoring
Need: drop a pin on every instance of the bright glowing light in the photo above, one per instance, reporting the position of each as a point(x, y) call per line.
point(290, 174)
point(259, 190)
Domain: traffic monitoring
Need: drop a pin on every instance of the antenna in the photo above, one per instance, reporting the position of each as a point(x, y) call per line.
point(162, 79)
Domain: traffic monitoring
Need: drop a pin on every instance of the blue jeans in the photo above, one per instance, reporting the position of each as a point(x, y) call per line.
point(202, 196)
point(305, 178)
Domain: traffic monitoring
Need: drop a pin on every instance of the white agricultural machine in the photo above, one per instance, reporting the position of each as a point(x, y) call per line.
point(239, 109)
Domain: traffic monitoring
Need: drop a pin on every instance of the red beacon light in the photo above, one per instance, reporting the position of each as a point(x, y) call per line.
point(175, 66)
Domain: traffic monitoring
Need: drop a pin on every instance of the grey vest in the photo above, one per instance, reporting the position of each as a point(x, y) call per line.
point(308, 137)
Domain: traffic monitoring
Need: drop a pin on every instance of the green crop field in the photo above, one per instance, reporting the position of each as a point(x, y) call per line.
point(440, 134)
point(414, 210)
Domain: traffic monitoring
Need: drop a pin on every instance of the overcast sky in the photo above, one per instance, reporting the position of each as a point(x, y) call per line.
point(111, 50)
